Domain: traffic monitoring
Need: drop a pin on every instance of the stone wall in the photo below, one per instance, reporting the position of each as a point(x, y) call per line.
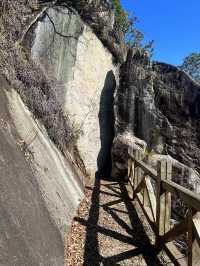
point(88, 73)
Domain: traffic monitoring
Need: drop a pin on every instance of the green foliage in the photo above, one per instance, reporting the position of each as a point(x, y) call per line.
point(191, 65)
point(127, 23)
point(121, 16)
point(134, 37)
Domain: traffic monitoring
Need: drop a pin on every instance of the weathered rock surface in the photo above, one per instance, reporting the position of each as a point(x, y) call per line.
point(161, 105)
point(39, 188)
point(100, 15)
point(86, 68)
point(122, 143)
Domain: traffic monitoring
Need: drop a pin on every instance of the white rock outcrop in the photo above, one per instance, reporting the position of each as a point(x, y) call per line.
point(86, 68)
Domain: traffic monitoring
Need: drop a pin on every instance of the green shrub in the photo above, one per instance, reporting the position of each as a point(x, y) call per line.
point(191, 65)
point(121, 16)
point(127, 24)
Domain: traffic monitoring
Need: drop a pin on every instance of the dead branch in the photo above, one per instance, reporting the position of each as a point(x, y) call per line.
point(32, 23)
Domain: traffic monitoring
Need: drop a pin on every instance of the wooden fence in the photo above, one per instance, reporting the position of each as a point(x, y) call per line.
point(153, 190)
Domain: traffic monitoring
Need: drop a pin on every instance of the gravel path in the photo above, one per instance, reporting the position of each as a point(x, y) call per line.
point(108, 231)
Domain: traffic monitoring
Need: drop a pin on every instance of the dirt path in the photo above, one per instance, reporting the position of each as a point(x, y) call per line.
point(103, 232)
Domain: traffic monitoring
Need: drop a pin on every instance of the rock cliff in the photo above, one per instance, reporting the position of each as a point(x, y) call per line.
point(77, 59)
point(56, 121)
point(40, 189)
point(63, 99)
point(160, 104)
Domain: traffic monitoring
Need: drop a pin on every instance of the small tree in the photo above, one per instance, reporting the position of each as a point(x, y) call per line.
point(134, 37)
point(149, 47)
point(191, 65)
point(127, 24)
point(121, 16)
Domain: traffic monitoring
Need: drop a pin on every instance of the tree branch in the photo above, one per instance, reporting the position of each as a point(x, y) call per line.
point(32, 23)
point(59, 33)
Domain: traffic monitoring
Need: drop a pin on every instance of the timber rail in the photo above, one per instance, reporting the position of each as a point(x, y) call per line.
point(153, 190)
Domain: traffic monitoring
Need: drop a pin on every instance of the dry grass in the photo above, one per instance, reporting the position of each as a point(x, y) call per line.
point(37, 91)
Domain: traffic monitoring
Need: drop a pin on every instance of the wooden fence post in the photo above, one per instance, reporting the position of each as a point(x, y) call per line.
point(136, 181)
point(131, 174)
point(196, 242)
point(146, 202)
point(139, 169)
point(163, 199)
point(190, 237)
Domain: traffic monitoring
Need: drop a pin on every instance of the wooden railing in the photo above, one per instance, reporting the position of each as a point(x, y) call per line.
point(153, 190)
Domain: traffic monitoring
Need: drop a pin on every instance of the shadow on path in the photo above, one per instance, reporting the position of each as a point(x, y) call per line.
point(136, 235)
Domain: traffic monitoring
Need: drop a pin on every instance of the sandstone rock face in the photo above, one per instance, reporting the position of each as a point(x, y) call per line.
point(161, 105)
point(86, 68)
point(39, 188)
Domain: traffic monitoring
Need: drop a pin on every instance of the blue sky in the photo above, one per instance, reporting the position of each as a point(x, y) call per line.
point(174, 25)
